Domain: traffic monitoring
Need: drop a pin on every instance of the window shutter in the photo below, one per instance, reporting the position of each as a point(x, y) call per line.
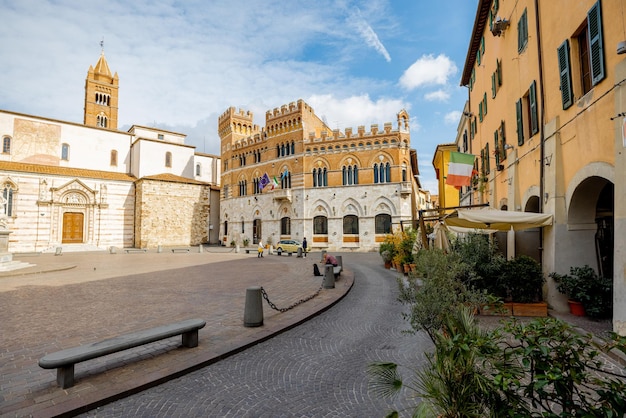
point(566, 75)
point(594, 21)
point(499, 71)
point(493, 85)
point(496, 147)
point(534, 118)
point(487, 163)
point(485, 104)
point(520, 125)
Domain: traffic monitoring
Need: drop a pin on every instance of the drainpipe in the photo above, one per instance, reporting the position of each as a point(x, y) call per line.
point(541, 129)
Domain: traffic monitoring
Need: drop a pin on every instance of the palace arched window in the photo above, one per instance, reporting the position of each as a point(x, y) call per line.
point(382, 224)
point(320, 177)
point(320, 225)
point(350, 224)
point(350, 175)
point(285, 180)
point(285, 226)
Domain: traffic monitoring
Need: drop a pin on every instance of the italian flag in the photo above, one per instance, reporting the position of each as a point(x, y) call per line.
point(460, 169)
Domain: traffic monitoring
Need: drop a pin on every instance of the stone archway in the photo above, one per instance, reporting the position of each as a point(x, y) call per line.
point(590, 224)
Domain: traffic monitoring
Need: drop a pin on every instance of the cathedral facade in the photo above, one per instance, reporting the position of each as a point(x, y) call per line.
point(93, 186)
point(296, 178)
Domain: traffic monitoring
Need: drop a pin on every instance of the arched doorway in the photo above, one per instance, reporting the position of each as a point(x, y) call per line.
point(73, 224)
point(590, 224)
point(256, 231)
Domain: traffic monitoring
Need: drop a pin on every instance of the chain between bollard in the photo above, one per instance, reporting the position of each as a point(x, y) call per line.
point(301, 301)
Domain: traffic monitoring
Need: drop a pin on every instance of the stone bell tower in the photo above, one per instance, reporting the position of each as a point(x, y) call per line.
point(101, 95)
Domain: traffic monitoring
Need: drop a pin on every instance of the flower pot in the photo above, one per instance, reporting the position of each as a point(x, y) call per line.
point(576, 308)
point(387, 264)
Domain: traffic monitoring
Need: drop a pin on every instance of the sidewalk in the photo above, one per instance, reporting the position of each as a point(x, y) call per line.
point(77, 298)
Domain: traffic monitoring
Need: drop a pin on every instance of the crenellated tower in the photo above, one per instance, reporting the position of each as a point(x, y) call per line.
point(234, 125)
point(101, 96)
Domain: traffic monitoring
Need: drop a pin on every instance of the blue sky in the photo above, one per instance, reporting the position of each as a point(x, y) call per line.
point(183, 63)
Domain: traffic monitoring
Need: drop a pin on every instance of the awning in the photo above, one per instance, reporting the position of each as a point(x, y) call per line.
point(494, 219)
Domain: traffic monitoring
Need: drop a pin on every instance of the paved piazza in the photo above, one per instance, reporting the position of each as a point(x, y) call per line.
point(315, 370)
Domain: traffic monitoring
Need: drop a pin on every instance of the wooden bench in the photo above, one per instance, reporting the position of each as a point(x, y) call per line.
point(135, 250)
point(65, 360)
point(180, 250)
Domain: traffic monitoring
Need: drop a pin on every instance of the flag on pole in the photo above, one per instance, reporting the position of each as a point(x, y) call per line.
point(265, 180)
point(285, 173)
point(274, 183)
point(460, 169)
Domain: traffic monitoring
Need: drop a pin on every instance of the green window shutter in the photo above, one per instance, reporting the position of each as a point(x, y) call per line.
point(566, 75)
point(502, 140)
point(499, 71)
point(485, 104)
point(496, 147)
point(490, 20)
point(487, 165)
point(480, 111)
point(534, 117)
point(496, 6)
point(594, 21)
point(522, 32)
point(482, 45)
point(493, 85)
point(520, 124)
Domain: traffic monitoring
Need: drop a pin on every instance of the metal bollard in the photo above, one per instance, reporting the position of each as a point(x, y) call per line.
point(237, 248)
point(253, 312)
point(112, 250)
point(339, 261)
point(159, 249)
point(323, 256)
point(200, 248)
point(299, 252)
point(329, 277)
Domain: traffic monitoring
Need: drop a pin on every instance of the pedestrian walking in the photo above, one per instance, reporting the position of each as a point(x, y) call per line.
point(304, 247)
point(260, 255)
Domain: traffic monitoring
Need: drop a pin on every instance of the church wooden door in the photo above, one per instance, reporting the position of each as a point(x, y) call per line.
point(72, 228)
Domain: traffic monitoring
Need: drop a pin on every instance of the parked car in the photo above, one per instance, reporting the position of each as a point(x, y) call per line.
point(288, 246)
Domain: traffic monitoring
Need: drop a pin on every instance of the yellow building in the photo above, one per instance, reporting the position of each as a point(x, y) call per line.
point(448, 195)
point(341, 190)
point(547, 101)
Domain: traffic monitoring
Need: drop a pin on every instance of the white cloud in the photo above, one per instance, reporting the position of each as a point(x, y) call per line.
point(437, 96)
point(367, 33)
point(353, 111)
point(428, 70)
point(452, 117)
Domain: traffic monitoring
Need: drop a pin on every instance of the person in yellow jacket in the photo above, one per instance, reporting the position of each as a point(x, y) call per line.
point(260, 249)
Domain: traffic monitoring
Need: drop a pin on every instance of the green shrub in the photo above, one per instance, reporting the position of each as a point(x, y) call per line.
point(585, 286)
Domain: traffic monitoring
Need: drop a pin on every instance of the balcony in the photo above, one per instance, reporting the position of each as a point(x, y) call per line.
point(282, 194)
point(405, 188)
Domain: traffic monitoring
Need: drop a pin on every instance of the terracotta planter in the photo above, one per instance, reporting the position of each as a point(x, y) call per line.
point(530, 309)
point(387, 264)
point(576, 308)
point(406, 268)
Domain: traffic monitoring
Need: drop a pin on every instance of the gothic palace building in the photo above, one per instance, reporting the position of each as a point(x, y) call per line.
point(298, 178)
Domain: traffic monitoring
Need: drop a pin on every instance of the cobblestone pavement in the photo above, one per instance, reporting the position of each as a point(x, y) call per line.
point(80, 298)
point(315, 370)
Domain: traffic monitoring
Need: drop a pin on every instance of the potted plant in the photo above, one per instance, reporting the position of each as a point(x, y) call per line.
point(523, 280)
point(584, 287)
point(246, 241)
point(386, 251)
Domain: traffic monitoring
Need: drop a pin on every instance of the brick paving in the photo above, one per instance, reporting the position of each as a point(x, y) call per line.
point(78, 298)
